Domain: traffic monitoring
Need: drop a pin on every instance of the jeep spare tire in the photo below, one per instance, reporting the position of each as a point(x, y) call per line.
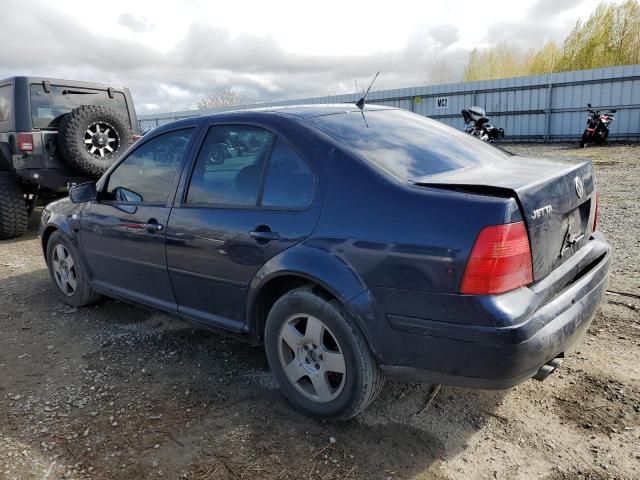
point(92, 137)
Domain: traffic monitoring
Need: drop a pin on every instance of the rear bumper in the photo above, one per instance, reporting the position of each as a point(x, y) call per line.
point(54, 179)
point(502, 355)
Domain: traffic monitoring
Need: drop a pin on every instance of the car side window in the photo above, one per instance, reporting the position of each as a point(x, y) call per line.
point(229, 167)
point(145, 176)
point(6, 100)
point(290, 183)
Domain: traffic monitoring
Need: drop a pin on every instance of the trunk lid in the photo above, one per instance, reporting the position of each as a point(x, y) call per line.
point(556, 198)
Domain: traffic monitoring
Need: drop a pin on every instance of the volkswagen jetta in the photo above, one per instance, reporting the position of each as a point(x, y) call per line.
point(355, 245)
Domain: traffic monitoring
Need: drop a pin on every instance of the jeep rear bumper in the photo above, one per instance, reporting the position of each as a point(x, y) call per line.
point(55, 179)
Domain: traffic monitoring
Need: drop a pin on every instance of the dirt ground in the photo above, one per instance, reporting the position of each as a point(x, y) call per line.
point(117, 392)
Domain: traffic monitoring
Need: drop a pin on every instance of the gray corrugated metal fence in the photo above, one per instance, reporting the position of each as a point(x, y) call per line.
point(539, 108)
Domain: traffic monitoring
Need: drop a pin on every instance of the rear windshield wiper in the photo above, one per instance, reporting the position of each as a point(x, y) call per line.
point(77, 92)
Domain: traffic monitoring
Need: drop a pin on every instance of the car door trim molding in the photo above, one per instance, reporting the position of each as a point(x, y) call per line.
point(213, 278)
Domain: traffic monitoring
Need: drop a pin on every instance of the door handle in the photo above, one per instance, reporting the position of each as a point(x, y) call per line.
point(264, 234)
point(153, 226)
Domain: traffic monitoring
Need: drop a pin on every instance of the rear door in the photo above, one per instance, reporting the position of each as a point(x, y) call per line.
point(123, 234)
point(251, 194)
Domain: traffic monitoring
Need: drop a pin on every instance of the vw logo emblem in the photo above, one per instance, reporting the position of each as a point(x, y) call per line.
point(579, 187)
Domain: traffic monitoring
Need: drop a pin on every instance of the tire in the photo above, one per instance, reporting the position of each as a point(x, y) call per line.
point(90, 123)
point(584, 140)
point(13, 207)
point(337, 339)
point(218, 154)
point(58, 262)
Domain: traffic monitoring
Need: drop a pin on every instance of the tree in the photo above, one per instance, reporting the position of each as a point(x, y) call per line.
point(439, 71)
point(609, 37)
point(225, 98)
point(545, 60)
point(497, 61)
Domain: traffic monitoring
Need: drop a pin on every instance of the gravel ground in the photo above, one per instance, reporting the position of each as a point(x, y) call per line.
point(117, 392)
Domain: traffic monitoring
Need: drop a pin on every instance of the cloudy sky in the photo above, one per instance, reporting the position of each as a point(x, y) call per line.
point(171, 53)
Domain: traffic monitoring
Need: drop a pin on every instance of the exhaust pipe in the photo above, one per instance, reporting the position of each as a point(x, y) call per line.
point(548, 368)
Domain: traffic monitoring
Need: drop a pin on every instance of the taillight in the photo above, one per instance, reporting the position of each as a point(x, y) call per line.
point(25, 142)
point(500, 261)
point(595, 215)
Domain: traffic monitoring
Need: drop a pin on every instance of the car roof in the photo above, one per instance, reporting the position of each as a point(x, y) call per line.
point(302, 111)
point(318, 110)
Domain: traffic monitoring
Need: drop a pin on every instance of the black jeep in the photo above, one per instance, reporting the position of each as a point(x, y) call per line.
point(53, 134)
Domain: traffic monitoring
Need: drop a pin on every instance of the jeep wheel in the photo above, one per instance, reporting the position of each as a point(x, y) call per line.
point(92, 137)
point(319, 357)
point(13, 207)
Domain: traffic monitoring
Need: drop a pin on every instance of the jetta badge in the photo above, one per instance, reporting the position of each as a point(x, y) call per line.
point(546, 210)
point(579, 187)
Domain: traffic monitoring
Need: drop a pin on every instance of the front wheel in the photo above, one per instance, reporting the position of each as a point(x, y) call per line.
point(68, 273)
point(584, 140)
point(319, 357)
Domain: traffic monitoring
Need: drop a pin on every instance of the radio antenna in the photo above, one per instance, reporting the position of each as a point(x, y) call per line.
point(360, 103)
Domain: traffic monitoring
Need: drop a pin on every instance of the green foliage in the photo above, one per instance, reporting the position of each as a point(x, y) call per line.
point(611, 36)
point(498, 61)
point(544, 60)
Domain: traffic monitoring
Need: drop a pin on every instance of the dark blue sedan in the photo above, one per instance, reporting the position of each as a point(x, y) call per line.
point(354, 245)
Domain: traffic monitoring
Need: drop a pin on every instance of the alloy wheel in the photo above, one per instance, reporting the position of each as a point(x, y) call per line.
point(64, 270)
point(312, 358)
point(101, 139)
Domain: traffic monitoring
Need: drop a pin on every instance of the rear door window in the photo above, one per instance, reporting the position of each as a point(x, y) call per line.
point(230, 166)
point(290, 183)
point(47, 108)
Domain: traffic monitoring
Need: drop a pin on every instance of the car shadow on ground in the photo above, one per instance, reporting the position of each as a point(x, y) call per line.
point(162, 395)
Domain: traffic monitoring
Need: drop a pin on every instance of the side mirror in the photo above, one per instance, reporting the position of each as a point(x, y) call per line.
point(589, 105)
point(85, 192)
point(127, 196)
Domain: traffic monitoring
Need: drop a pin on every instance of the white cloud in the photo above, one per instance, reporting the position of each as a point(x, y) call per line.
point(171, 54)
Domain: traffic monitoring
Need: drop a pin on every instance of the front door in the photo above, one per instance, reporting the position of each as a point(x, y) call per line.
point(250, 196)
point(123, 232)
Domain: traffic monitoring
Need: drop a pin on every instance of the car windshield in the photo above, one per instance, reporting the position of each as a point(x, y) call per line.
point(47, 108)
point(407, 145)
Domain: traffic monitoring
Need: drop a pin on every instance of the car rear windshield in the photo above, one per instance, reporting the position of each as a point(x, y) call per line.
point(407, 145)
point(47, 108)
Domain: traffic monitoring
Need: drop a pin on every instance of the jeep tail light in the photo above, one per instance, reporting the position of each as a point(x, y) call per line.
point(500, 261)
point(595, 216)
point(25, 142)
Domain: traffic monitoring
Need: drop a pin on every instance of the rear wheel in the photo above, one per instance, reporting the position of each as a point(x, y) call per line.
point(68, 273)
point(319, 357)
point(13, 207)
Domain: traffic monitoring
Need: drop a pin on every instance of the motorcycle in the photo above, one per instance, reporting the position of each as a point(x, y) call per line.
point(597, 129)
point(476, 123)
